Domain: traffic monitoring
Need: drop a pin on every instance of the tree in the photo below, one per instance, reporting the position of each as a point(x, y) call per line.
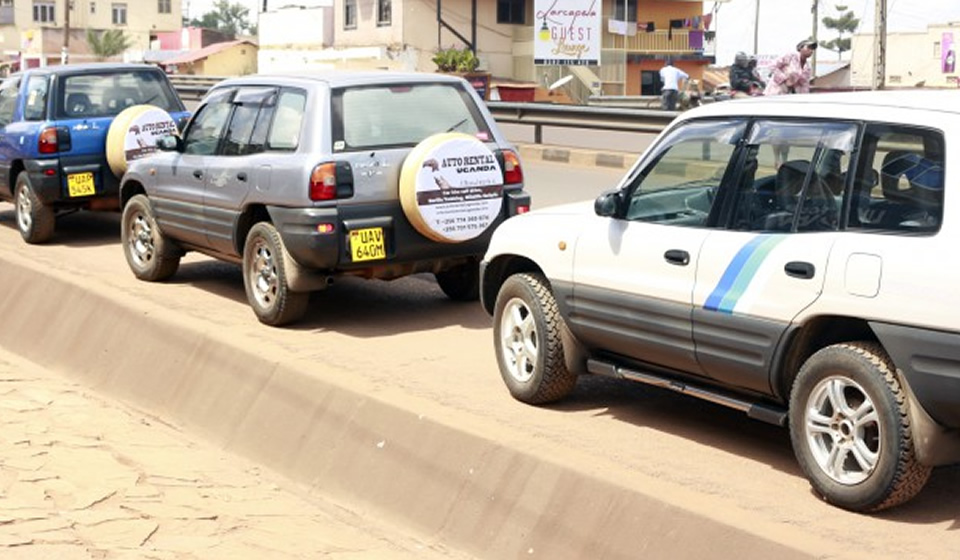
point(229, 19)
point(846, 23)
point(106, 44)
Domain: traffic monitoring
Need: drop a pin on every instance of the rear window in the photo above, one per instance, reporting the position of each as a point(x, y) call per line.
point(108, 93)
point(403, 115)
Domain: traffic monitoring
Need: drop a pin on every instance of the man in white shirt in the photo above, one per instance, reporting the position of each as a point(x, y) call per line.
point(671, 76)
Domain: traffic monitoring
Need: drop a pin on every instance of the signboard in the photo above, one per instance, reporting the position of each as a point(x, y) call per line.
point(948, 56)
point(567, 32)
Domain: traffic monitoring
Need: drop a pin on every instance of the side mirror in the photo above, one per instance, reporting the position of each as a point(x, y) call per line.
point(607, 204)
point(170, 144)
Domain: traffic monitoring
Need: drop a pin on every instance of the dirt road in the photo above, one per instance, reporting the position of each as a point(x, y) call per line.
point(404, 343)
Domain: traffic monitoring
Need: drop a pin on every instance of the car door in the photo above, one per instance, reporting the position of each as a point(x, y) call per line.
point(237, 166)
point(756, 276)
point(178, 197)
point(9, 92)
point(634, 272)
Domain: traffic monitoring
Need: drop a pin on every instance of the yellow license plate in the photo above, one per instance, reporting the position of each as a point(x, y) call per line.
point(81, 184)
point(367, 244)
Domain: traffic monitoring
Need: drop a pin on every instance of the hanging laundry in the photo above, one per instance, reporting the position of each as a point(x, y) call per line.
point(674, 24)
point(696, 22)
point(707, 20)
point(696, 40)
point(617, 27)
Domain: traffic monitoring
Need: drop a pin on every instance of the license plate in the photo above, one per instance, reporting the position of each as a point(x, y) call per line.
point(81, 184)
point(367, 244)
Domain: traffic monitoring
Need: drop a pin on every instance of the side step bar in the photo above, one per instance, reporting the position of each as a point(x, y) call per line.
point(758, 411)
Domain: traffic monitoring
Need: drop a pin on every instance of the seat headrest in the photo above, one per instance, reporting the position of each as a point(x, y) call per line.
point(924, 178)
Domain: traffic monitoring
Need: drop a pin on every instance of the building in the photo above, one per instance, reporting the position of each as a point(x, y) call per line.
point(636, 37)
point(913, 59)
point(230, 58)
point(34, 30)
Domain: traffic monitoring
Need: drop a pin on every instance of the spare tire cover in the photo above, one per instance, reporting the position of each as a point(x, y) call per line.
point(133, 134)
point(451, 187)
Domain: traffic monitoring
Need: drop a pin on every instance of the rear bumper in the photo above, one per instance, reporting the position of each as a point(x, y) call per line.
point(49, 180)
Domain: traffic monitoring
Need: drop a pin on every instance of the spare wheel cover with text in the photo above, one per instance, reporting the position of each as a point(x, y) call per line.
point(134, 134)
point(451, 187)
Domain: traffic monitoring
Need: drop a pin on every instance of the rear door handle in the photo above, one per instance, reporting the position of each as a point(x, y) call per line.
point(242, 176)
point(800, 269)
point(198, 174)
point(678, 257)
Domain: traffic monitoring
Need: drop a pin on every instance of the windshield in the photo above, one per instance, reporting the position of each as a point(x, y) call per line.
point(108, 93)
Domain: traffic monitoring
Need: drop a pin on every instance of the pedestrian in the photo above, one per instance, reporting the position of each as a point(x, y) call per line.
point(671, 77)
point(740, 76)
point(792, 72)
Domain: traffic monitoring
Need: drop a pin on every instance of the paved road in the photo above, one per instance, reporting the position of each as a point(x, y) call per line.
point(404, 342)
point(84, 477)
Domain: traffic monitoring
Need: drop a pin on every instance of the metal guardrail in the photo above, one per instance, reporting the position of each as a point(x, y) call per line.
point(537, 115)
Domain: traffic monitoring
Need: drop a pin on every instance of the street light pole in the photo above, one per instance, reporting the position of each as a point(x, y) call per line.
point(756, 28)
point(65, 51)
point(880, 45)
point(813, 35)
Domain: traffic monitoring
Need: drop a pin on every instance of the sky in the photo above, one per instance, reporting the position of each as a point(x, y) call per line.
point(196, 8)
point(783, 23)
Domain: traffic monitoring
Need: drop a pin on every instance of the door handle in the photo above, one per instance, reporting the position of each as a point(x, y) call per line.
point(800, 269)
point(242, 176)
point(678, 257)
point(198, 174)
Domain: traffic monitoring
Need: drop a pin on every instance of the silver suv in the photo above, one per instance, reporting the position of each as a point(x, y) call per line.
point(299, 179)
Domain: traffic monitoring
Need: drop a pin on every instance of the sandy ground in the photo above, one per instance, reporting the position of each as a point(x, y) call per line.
point(84, 477)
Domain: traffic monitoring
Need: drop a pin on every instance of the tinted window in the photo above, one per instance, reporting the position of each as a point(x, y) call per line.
point(793, 176)
point(288, 117)
point(681, 184)
point(204, 133)
point(9, 91)
point(402, 116)
point(106, 94)
point(35, 108)
point(899, 183)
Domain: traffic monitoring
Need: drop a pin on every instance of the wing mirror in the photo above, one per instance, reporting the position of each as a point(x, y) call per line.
point(607, 204)
point(170, 143)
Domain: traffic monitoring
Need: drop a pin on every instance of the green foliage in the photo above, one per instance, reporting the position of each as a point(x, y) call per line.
point(456, 60)
point(227, 18)
point(846, 23)
point(108, 43)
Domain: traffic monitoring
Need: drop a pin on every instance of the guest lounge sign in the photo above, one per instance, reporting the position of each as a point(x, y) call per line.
point(567, 32)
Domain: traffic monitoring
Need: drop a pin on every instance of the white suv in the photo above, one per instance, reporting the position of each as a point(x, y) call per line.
point(788, 257)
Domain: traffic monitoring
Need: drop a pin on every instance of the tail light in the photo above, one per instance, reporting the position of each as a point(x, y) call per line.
point(54, 139)
point(512, 173)
point(331, 181)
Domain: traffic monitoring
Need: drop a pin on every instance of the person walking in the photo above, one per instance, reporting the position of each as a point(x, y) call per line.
point(671, 77)
point(792, 72)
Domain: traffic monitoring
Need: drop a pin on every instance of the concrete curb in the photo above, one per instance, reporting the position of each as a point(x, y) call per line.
point(577, 156)
point(443, 475)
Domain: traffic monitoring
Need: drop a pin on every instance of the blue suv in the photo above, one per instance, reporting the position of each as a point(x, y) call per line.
point(53, 135)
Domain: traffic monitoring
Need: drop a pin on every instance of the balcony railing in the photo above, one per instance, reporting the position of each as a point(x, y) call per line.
point(658, 42)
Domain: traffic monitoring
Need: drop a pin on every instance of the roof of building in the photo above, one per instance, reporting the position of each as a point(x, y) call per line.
point(194, 56)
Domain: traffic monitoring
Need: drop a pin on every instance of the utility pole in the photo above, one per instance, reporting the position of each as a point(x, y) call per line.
point(756, 28)
point(813, 35)
point(880, 45)
point(65, 51)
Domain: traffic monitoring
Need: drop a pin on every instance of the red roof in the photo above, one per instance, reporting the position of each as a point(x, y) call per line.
point(194, 56)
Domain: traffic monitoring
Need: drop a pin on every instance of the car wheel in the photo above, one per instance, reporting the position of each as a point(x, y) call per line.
point(462, 282)
point(265, 279)
point(851, 431)
point(35, 220)
point(151, 256)
point(527, 335)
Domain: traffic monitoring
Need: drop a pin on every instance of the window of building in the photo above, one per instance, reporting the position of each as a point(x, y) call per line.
point(625, 10)
point(163, 6)
point(349, 14)
point(511, 11)
point(119, 14)
point(384, 12)
point(44, 12)
point(93, 7)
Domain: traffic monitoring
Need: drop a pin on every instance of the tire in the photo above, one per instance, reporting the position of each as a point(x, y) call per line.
point(850, 429)
point(265, 278)
point(462, 282)
point(151, 256)
point(35, 220)
point(527, 336)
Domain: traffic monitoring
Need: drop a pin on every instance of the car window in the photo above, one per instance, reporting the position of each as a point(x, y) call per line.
point(680, 185)
point(9, 91)
point(108, 93)
point(403, 115)
point(204, 132)
point(793, 176)
point(35, 108)
point(288, 118)
point(899, 185)
point(240, 129)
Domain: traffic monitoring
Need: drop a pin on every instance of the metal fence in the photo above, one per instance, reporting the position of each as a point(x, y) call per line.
point(536, 115)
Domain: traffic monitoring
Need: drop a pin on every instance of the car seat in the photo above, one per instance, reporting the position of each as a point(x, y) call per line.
point(78, 104)
point(912, 187)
